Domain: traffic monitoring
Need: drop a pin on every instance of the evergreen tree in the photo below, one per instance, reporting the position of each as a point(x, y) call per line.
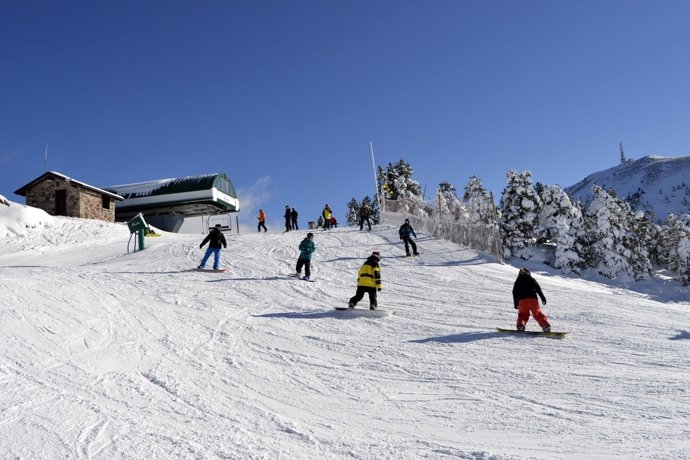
point(396, 183)
point(480, 207)
point(520, 206)
point(674, 246)
point(396, 180)
point(539, 188)
point(352, 217)
point(447, 202)
point(560, 223)
point(617, 249)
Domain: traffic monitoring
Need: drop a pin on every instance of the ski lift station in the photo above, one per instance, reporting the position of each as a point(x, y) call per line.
point(165, 203)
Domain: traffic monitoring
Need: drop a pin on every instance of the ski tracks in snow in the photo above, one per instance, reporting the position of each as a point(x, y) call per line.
point(128, 355)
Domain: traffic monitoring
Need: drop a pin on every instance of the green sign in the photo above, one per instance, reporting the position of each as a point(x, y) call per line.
point(137, 223)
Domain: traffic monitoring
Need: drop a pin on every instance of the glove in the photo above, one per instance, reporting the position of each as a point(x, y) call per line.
point(544, 302)
point(200, 246)
point(516, 307)
point(379, 289)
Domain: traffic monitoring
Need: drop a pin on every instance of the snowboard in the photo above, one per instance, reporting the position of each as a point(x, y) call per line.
point(546, 334)
point(221, 269)
point(364, 312)
point(300, 278)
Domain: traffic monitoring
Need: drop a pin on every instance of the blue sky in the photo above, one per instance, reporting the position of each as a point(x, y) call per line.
point(285, 96)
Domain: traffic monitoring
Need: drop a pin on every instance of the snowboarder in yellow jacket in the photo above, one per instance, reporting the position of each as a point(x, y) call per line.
point(368, 281)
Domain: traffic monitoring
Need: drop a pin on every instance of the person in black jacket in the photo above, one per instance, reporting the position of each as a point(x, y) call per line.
point(525, 292)
point(364, 213)
point(293, 216)
point(288, 218)
point(215, 240)
point(405, 231)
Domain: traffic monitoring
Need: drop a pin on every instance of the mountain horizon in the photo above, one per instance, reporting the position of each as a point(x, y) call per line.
point(656, 185)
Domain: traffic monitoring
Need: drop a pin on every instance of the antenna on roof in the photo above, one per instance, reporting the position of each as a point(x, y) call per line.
point(45, 158)
point(620, 144)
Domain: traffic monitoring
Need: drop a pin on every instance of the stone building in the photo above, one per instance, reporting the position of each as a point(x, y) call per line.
point(59, 195)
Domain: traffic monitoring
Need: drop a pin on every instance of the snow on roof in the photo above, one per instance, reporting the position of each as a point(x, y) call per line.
point(22, 190)
point(165, 186)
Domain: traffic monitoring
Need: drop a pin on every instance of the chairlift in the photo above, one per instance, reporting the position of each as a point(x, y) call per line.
point(223, 219)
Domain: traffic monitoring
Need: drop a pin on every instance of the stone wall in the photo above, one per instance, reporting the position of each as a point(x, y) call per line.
point(81, 202)
point(92, 206)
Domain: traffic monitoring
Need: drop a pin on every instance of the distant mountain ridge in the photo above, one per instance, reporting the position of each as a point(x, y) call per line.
point(656, 185)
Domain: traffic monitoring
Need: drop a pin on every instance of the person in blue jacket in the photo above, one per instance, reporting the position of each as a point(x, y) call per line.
point(306, 249)
point(405, 231)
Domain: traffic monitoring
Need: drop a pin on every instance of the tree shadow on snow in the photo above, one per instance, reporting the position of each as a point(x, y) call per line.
point(301, 315)
point(162, 272)
point(338, 259)
point(682, 335)
point(460, 338)
point(477, 260)
point(265, 278)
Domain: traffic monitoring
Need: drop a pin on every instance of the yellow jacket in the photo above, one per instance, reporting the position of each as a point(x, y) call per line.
point(369, 275)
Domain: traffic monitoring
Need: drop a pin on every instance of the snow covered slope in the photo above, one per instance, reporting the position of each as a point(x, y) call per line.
point(654, 184)
point(105, 354)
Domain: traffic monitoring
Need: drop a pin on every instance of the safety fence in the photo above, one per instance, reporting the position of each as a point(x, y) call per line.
point(480, 237)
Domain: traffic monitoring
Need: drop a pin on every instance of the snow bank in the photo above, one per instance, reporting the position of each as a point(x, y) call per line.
point(17, 219)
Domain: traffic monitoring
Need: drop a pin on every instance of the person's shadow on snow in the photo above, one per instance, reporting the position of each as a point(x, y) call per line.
point(459, 338)
point(682, 335)
point(300, 315)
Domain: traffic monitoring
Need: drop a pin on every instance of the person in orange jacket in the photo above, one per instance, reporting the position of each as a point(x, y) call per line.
point(262, 221)
point(525, 292)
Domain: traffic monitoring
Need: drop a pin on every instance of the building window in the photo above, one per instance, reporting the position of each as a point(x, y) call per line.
point(106, 201)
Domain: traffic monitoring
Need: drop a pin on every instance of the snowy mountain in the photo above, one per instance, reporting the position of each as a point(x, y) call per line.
point(653, 184)
point(105, 354)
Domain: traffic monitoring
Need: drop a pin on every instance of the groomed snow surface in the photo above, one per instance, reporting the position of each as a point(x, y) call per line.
point(106, 354)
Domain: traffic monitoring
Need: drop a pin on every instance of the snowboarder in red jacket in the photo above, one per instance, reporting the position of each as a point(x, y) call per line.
point(525, 292)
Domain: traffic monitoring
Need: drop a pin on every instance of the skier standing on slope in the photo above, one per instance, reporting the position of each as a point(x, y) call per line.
point(405, 231)
point(364, 213)
point(306, 249)
point(525, 291)
point(288, 218)
point(368, 281)
point(326, 214)
point(262, 221)
point(215, 240)
point(293, 216)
